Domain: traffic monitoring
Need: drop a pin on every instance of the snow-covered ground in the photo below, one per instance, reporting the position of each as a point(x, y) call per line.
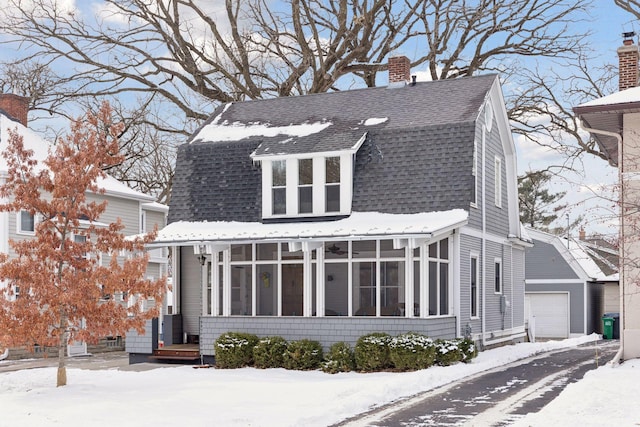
point(174, 396)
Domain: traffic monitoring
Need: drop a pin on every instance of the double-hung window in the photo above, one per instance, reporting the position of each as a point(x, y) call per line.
point(305, 186)
point(498, 276)
point(474, 285)
point(26, 223)
point(332, 184)
point(279, 186)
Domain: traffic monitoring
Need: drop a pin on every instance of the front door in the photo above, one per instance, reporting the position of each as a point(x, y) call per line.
point(292, 288)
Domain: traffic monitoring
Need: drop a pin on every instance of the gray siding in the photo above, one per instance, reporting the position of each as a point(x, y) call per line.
point(126, 209)
point(326, 330)
point(143, 343)
point(576, 302)
point(190, 293)
point(469, 244)
point(497, 220)
point(494, 320)
point(517, 302)
point(545, 262)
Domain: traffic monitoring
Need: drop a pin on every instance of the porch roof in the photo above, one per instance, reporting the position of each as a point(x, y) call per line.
point(357, 225)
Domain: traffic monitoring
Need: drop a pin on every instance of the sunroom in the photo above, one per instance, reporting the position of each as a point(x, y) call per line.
point(325, 280)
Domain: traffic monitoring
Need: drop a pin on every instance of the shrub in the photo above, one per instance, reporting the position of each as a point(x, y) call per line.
point(372, 352)
point(412, 351)
point(234, 350)
point(303, 355)
point(269, 352)
point(339, 359)
point(448, 352)
point(469, 350)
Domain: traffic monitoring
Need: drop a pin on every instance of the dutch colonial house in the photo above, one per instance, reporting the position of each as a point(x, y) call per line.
point(329, 216)
point(139, 212)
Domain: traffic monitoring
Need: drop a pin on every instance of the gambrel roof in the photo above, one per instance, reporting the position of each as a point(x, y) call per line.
point(413, 148)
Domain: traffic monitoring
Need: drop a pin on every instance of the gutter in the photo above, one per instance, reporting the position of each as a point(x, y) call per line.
point(616, 359)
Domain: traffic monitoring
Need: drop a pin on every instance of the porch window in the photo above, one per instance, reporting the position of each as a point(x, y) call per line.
point(439, 278)
point(279, 186)
point(241, 290)
point(267, 289)
point(332, 184)
point(305, 186)
point(364, 288)
point(336, 288)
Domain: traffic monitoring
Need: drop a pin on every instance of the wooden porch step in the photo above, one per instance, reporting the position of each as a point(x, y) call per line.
point(189, 353)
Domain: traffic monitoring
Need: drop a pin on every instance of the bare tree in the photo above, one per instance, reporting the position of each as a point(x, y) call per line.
point(183, 57)
point(631, 6)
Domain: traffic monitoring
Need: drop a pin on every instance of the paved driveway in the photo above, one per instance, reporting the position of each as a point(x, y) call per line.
point(497, 397)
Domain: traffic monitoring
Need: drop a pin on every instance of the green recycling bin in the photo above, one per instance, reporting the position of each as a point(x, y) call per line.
point(607, 328)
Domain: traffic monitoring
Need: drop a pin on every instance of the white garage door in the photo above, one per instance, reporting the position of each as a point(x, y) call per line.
point(551, 311)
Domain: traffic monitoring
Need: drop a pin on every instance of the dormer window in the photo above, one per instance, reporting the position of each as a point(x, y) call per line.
point(305, 186)
point(332, 184)
point(279, 186)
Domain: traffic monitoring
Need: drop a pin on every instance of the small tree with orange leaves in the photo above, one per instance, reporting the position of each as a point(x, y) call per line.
point(62, 278)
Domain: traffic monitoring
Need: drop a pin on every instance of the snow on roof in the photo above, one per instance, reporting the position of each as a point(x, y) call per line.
point(40, 147)
point(375, 121)
point(237, 131)
point(575, 255)
point(358, 224)
point(623, 97)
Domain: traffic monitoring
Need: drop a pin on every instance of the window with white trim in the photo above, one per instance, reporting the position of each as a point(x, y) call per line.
point(438, 264)
point(474, 172)
point(474, 280)
point(498, 275)
point(26, 223)
point(332, 184)
point(305, 186)
point(143, 222)
point(279, 187)
point(498, 181)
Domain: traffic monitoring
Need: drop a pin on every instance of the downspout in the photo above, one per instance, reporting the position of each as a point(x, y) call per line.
point(5, 354)
point(484, 237)
point(618, 137)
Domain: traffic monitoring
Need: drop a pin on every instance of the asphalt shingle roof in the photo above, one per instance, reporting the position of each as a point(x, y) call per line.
point(418, 160)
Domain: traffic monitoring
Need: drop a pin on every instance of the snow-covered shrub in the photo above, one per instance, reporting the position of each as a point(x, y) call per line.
point(234, 350)
point(448, 352)
point(339, 359)
point(303, 355)
point(372, 352)
point(412, 351)
point(469, 349)
point(269, 352)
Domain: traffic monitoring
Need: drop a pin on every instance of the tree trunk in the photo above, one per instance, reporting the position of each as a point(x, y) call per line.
point(62, 365)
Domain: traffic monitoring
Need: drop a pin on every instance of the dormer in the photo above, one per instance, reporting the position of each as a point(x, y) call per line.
point(301, 180)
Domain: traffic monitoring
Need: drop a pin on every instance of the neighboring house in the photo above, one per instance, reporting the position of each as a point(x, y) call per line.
point(333, 215)
point(569, 286)
point(614, 123)
point(138, 212)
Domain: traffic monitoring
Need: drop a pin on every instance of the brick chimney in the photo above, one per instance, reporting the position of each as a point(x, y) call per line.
point(628, 57)
point(583, 234)
point(399, 70)
point(17, 107)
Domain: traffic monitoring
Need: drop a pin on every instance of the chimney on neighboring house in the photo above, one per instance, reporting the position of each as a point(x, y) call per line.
point(628, 57)
point(399, 71)
point(583, 234)
point(15, 106)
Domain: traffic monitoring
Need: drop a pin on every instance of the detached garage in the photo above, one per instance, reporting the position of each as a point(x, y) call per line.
point(564, 291)
point(550, 310)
